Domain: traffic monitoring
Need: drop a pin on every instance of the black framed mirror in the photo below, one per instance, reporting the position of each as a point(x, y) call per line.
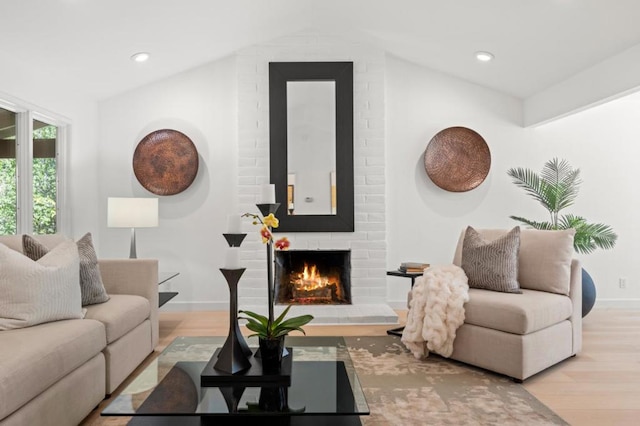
point(311, 145)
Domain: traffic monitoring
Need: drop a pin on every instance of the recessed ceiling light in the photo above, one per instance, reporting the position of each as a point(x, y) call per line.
point(484, 56)
point(140, 56)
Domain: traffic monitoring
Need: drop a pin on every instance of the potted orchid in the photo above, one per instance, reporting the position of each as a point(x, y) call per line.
point(271, 333)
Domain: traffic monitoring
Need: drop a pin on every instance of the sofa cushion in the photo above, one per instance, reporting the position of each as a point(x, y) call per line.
point(34, 358)
point(492, 265)
point(544, 260)
point(15, 241)
point(120, 314)
point(36, 292)
point(514, 313)
point(91, 286)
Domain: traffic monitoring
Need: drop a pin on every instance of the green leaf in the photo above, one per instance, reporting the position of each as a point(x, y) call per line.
point(255, 327)
point(282, 315)
point(260, 318)
point(533, 185)
point(296, 321)
point(589, 236)
point(536, 225)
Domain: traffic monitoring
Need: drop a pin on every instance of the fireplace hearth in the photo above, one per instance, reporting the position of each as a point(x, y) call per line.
point(313, 277)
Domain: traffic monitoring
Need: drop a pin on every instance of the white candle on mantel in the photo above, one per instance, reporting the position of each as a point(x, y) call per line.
point(268, 194)
point(234, 224)
point(232, 260)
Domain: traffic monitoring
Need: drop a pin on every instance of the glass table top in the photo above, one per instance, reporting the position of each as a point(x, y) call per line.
point(323, 382)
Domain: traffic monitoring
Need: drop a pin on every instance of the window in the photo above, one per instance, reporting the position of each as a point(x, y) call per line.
point(45, 178)
point(30, 189)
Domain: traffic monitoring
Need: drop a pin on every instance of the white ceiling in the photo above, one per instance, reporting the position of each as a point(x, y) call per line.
point(86, 44)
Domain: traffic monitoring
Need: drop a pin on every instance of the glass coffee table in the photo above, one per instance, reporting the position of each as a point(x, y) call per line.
point(324, 389)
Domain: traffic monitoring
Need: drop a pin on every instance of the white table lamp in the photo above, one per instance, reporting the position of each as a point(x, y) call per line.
point(132, 213)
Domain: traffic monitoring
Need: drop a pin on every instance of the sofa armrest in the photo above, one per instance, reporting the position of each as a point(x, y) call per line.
point(134, 276)
point(575, 293)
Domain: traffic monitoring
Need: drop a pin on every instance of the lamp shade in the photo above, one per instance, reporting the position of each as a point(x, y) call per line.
point(132, 212)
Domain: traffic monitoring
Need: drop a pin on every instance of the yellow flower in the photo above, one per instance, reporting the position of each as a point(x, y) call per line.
point(271, 221)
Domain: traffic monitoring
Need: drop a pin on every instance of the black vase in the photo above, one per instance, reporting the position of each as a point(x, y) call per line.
point(273, 399)
point(271, 354)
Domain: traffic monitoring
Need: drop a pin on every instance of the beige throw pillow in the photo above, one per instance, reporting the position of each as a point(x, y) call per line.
point(492, 265)
point(545, 260)
point(91, 285)
point(37, 292)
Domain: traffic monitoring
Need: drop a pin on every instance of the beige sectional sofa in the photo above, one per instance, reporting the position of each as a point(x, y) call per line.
point(56, 373)
point(519, 335)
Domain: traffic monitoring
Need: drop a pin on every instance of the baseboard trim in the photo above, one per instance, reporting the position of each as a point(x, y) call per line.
point(181, 306)
point(617, 303)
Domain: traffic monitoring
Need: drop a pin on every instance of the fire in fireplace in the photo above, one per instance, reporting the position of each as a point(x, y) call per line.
point(312, 277)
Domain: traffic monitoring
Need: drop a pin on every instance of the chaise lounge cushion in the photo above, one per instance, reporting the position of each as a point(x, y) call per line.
point(544, 260)
point(34, 358)
point(120, 314)
point(516, 313)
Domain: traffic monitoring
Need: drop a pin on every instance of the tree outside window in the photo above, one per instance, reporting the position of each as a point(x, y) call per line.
point(45, 179)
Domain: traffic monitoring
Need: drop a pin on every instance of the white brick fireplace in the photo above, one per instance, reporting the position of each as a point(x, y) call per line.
point(368, 242)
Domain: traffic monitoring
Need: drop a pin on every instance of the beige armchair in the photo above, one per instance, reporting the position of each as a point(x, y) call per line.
point(519, 335)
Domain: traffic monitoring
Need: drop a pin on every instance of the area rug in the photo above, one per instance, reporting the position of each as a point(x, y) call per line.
point(402, 390)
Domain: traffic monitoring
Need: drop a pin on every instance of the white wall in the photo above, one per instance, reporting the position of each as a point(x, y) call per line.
point(201, 103)
point(422, 221)
point(603, 143)
point(425, 221)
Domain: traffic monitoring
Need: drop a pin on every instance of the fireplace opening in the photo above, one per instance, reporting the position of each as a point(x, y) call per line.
point(313, 277)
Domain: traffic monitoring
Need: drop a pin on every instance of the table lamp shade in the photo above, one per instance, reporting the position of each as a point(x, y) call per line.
point(132, 212)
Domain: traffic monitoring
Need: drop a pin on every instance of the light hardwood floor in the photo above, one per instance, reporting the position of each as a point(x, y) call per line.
point(600, 386)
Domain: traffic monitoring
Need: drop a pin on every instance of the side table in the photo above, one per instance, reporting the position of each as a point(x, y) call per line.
point(413, 276)
point(165, 296)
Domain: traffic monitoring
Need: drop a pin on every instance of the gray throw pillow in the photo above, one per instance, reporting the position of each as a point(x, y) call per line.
point(91, 285)
point(492, 265)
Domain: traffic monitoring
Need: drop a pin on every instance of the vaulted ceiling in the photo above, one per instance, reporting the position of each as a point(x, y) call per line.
point(85, 45)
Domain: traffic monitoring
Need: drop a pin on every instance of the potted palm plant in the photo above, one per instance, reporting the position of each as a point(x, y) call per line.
point(271, 335)
point(556, 188)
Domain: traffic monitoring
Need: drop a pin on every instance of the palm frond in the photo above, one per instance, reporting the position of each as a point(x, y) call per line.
point(533, 184)
point(589, 236)
point(556, 188)
point(533, 224)
point(563, 181)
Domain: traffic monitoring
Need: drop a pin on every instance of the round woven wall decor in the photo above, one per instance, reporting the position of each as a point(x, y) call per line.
point(165, 162)
point(457, 159)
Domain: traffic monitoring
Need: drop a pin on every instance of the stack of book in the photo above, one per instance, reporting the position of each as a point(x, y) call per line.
point(412, 267)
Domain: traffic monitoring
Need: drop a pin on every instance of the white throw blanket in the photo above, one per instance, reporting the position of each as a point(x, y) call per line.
point(436, 310)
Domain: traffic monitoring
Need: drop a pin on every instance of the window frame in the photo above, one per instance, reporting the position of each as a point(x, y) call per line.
point(25, 115)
